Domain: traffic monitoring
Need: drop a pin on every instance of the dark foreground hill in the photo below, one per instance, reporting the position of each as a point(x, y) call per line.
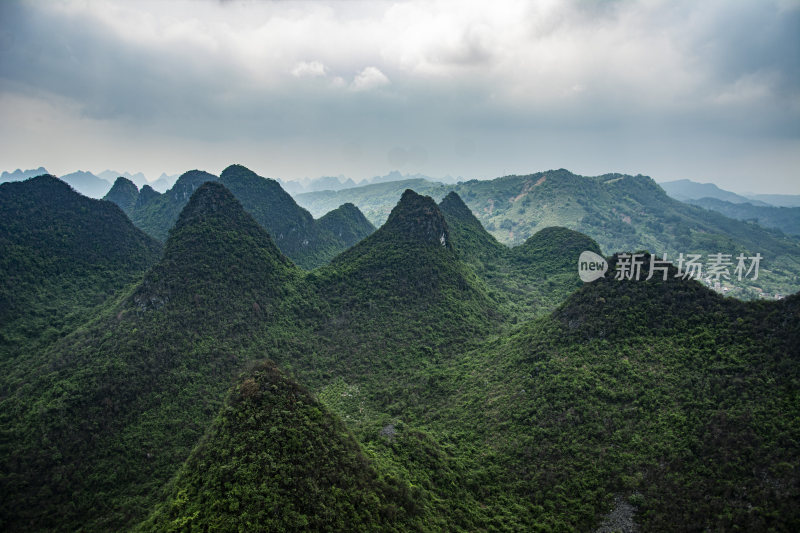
point(62, 254)
point(275, 459)
point(659, 397)
point(113, 408)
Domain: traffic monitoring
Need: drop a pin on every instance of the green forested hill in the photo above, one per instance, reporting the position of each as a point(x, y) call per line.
point(62, 254)
point(107, 414)
point(275, 459)
point(124, 193)
point(619, 212)
point(146, 194)
point(308, 242)
point(404, 385)
point(659, 393)
point(158, 214)
point(532, 278)
point(346, 223)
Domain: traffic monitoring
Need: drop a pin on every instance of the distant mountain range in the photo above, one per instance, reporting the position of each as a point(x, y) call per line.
point(619, 212)
point(94, 185)
point(337, 183)
point(87, 183)
point(685, 190)
point(164, 181)
point(786, 219)
point(19, 175)
point(691, 190)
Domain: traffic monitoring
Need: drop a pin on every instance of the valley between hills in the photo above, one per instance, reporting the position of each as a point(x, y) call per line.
point(395, 357)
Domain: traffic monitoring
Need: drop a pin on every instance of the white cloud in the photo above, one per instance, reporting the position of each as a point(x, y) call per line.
point(368, 79)
point(507, 74)
point(313, 69)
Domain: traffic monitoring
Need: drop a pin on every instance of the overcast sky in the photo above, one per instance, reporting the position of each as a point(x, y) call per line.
point(706, 90)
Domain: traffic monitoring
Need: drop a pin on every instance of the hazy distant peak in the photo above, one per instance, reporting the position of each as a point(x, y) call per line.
point(685, 189)
point(19, 175)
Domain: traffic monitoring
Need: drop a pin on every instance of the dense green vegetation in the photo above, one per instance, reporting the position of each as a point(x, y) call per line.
point(532, 278)
point(157, 214)
point(62, 255)
point(276, 460)
point(346, 223)
point(146, 194)
point(619, 212)
point(308, 242)
point(428, 378)
point(125, 194)
point(110, 410)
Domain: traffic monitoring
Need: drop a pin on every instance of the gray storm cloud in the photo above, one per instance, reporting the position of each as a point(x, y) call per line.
point(705, 90)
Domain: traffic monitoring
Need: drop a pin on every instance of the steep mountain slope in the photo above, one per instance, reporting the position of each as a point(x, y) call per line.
point(276, 460)
point(530, 279)
point(474, 244)
point(409, 269)
point(346, 223)
point(303, 239)
point(158, 214)
point(786, 219)
point(115, 407)
point(145, 196)
point(661, 393)
point(125, 194)
point(397, 309)
point(62, 254)
point(87, 183)
point(398, 299)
